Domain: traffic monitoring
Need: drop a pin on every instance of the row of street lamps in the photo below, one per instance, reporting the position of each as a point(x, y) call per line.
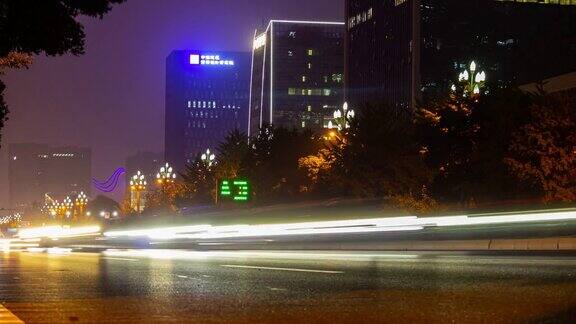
point(166, 175)
point(138, 185)
point(472, 79)
point(67, 208)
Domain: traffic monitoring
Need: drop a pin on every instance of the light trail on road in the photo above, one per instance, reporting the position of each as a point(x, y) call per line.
point(356, 226)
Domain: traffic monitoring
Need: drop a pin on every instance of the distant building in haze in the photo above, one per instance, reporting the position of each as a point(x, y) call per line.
point(149, 164)
point(399, 51)
point(206, 98)
point(36, 169)
point(297, 74)
point(146, 162)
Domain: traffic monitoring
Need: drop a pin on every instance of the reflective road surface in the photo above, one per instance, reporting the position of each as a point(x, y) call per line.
point(147, 286)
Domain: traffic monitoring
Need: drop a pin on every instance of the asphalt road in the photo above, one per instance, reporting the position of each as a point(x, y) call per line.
point(147, 286)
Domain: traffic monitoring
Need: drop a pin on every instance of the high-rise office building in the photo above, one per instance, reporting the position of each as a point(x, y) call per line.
point(399, 51)
point(37, 169)
point(206, 98)
point(297, 74)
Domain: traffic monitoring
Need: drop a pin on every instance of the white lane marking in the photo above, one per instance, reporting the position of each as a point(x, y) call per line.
point(276, 289)
point(280, 269)
point(206, 276)
point(181, 276)
point(6, 317)
point(120, 259)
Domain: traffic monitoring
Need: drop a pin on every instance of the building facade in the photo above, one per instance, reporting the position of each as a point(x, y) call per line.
point(206, 98)
point(401, 51)
point(36, 170)
point(297, 74)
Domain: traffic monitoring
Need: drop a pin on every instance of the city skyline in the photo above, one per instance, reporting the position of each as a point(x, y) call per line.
point(333, 161)
point(127, 46)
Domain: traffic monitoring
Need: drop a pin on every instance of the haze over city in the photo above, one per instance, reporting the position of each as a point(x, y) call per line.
point(112, 98)
point(287, 161)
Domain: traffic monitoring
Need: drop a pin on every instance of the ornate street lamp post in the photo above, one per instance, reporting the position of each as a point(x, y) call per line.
point(208, 158)
point(166, 175)
point(342, 118)
point(67, 206)
point(137, 186)
point(472, 80)
point(81, 202)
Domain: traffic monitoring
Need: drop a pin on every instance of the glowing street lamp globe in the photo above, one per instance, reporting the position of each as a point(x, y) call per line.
point(138, 185)
point(166, 174)
point(472, 80)
point(138, 181)
point(342, 117)
point(81, 199)
point(337, 114)
point(208, 157)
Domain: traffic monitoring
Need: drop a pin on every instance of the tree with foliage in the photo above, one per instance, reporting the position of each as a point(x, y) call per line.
point(29, 27)
point(166, 198)
point(497, 115)
point(447, 136)
point(318, 168)
point(380, 156)
point(274, 162)
point(199, 183)
point(542, 154)
point(234, 155)
point(466, 141)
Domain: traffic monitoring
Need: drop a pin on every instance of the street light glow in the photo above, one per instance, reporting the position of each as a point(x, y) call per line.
point(138, 185)
point(166, 174)
point(208, 158)
point(472, 81)
point(342, 118)
point(55, 232)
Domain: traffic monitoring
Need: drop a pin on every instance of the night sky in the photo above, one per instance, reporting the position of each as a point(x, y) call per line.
point(112, 98)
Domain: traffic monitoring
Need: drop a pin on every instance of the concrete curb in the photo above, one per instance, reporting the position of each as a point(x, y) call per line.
point(537, 244)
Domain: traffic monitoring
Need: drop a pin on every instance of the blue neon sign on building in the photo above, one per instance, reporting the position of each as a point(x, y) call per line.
point(200, 59)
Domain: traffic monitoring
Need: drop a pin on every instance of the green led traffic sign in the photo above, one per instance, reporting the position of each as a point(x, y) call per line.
point(236, 190)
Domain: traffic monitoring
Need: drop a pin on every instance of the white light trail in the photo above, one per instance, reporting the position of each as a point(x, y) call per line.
point(371, 225)
point(56, 232)
point(7, 245)
point(59, 251)
point(281, 269)
point(164, 254)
